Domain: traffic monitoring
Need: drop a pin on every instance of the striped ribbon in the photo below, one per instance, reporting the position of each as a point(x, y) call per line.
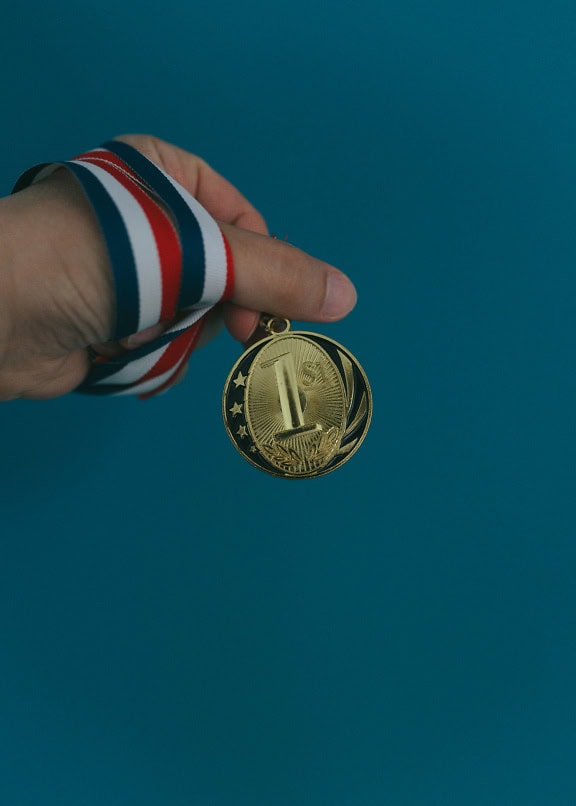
point(170, 262)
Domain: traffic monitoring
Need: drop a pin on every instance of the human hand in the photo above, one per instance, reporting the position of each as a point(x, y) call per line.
point(56, 294)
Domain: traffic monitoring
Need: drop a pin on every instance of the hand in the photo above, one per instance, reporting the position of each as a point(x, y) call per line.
point(56, 294)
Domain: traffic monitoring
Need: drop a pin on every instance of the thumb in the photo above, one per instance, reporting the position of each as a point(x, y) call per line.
point(275, 277)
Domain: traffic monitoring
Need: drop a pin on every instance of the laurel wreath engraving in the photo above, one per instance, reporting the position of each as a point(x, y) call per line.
point(318, 451)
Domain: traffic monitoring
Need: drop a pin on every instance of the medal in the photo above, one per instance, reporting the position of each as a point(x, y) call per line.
point(296, 404)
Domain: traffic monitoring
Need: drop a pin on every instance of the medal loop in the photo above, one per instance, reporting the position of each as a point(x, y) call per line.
point(274, 325)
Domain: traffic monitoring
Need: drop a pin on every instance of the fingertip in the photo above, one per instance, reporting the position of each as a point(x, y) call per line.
point(241, 322)
point(340, 296)
point(283, 280)
point(135, 340)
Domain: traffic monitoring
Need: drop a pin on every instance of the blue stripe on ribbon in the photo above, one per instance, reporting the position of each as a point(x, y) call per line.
point(99, 372)
point(116, 239)
point(122, 258)
point(119, 250)
point(193, 255)
point(28, 176)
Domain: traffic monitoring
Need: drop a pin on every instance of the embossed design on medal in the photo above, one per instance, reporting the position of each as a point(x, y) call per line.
point(296, 404)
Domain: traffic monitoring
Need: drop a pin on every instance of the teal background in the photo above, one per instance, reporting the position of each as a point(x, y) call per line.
point(179, 629)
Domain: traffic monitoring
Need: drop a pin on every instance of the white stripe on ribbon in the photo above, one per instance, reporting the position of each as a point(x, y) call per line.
point(154, 383)
point(143, 244)
point(215, 258)
point(216, 264)
point(149, 272)
point(140, 367)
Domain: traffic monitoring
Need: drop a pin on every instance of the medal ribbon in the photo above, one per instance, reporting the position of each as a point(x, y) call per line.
point(170, 263)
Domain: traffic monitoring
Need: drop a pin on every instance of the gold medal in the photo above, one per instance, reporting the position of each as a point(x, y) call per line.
point(296, 404)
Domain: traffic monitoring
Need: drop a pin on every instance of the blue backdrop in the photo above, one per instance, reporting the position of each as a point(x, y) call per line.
point(178, 629)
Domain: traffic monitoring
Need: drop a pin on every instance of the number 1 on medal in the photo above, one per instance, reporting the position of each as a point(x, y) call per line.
point(289, 395)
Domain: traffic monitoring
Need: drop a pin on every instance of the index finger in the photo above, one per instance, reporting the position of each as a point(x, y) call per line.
point(220, 197)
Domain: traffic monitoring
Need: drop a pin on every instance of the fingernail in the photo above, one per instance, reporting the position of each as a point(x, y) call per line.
point(144, 336)
point(340, 296)
point(253, 328)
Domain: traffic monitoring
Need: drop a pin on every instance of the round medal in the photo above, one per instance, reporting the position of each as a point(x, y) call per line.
point(296, 404)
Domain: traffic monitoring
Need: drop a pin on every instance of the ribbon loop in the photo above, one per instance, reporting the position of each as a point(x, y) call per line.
point(170, 263)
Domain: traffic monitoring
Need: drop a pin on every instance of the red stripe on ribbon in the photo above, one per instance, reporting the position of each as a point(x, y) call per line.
point(229, 287)
point(185, 343)
point(165, 235)
point(170, 257)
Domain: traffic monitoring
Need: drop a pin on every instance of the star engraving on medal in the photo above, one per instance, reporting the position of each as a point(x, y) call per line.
point(242, 432)
point(240, 380)
point(253, 449)
point(236, 409)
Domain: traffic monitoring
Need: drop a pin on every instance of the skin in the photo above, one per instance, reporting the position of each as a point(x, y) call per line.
point(56, 294)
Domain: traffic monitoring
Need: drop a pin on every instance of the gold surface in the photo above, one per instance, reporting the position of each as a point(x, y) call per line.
point(296, 404)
